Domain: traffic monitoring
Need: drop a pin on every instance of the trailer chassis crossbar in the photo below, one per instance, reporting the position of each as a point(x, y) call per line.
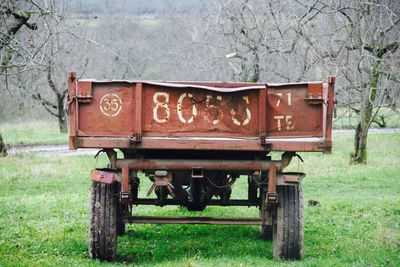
point(212, 202)
point(184, 164)
point(192, 220)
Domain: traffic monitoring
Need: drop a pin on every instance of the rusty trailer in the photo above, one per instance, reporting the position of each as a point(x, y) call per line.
point(193, 140)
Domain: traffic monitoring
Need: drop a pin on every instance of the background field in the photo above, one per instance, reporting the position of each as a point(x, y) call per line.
point(32, 133)
point(346, 118)
point(44, 215)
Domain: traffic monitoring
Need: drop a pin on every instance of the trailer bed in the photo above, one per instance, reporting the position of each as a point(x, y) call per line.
point(209, 116)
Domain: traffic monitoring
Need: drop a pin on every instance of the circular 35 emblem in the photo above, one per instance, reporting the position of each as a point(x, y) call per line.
point(110, 105)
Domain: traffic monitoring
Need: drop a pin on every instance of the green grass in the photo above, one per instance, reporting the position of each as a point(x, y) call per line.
point(44, 215)
point(348, 119)
point(35, 132)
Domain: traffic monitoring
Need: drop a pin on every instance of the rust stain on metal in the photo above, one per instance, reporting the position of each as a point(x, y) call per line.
point(121, 109)
point(103, 176)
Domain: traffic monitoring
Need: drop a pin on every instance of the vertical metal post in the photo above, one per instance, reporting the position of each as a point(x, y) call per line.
point(125, 190)
point(272, 197)
point(138, 112)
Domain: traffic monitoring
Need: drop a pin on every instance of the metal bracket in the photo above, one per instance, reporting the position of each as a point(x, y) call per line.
point(84, 92)
point(136, 138)
point(125, 187)
point(264, 143)
point(160, 181)
point(272, 198)
point(112, 156)
point(325, 144)
point(84, 98)
point(125, 197)
point(314, 101)
point(315, 93)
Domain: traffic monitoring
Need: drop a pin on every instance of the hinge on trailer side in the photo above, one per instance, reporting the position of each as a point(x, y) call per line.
point(264, 142)
point(84, 92)
point(84, 98)
point(315, 94)
point(136, 138)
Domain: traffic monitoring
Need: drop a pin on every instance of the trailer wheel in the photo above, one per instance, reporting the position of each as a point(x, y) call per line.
point(288, 224)
point(103, 222)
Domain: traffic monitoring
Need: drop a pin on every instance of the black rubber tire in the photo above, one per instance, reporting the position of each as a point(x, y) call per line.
point(103, 222)
point(288, 224)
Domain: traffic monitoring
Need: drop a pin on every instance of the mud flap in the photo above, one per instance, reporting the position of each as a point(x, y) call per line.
point(105, 175)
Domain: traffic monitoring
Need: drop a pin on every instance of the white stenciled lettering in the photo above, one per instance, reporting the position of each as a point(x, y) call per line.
point(157, 98)
point(280, 95)
point(278, 122)
point(288, 121)
point(179, 109)
point(216, 109)
point(248, 114)
point(110, 105)
point(279, 99)
point(289, 124)
point(289, 99)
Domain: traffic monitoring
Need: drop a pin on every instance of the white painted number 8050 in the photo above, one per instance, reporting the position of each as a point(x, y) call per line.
point(163, 105)
point(161, 101)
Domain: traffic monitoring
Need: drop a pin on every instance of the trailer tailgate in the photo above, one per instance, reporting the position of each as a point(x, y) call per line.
point(200, 115)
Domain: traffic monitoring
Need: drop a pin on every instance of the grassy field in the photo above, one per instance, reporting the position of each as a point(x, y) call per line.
point(44, 215)
point(348, 119)
point(35, 132)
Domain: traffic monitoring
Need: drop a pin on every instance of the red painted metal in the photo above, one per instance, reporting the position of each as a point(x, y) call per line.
point(272, 197)
point(104, 176)
point(146, 115)
point(125, 180)
point(182, 164)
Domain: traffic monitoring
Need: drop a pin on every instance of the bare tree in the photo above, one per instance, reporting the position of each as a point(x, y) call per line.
point(253, 40)
point(359, 40)
point(292, 40)
point(50, 90)
point(28, 32)
point(13, 18)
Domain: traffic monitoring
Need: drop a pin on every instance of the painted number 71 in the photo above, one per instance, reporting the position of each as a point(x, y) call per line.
point(287, 120)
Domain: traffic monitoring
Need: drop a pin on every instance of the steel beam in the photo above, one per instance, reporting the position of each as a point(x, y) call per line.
point(185, 164)
point(213, 202)
point(192, 220)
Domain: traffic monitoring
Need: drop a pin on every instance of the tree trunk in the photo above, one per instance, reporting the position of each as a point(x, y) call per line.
point(60, 94)
point(360, 145)
point(3, 148)
point(367, 100)
point(62, 123)
point(62, 116)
